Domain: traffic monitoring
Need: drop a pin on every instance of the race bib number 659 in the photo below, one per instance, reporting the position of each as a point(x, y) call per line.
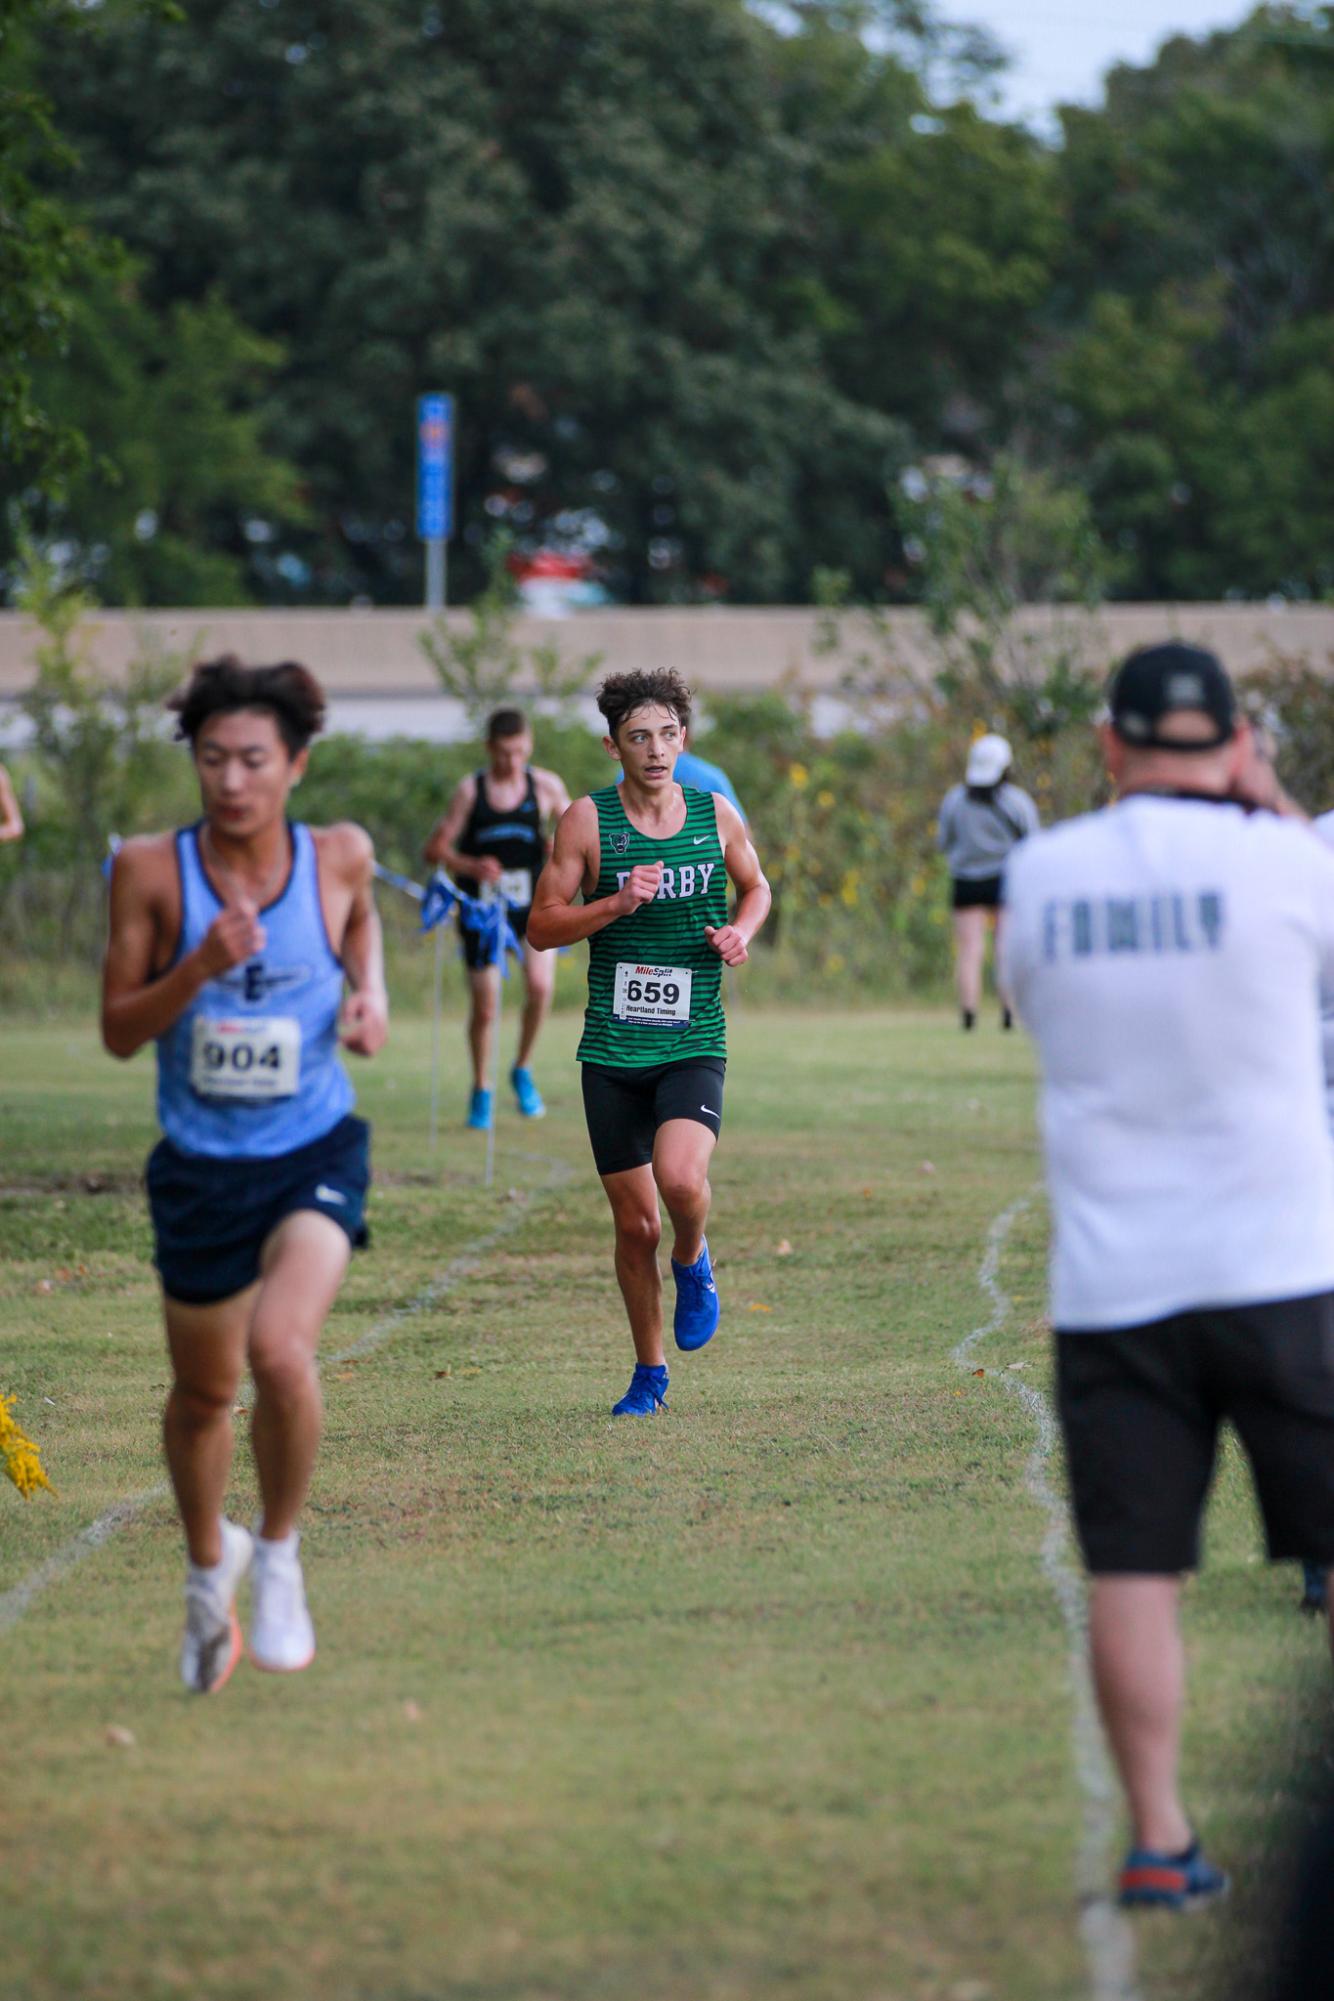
point(651, 996)
point(254, 1056)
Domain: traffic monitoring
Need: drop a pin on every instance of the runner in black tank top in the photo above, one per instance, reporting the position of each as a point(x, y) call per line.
point(491, 842)
point(511, 835)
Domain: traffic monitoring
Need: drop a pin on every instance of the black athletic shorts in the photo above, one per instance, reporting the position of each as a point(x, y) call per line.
point(476, 954)
point(982, 894)
point(1141, 1409)
point(624, 1108)
point(211, 1217)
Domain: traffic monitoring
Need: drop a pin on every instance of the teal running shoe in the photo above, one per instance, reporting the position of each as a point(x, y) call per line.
point(697, 1310)
point(1150, 1879)
point(479, 1111)
point(646, 1395)
point(527, 1093)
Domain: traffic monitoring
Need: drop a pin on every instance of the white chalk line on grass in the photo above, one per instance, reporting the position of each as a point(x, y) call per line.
point(1109, 1943)
point(18, 1599)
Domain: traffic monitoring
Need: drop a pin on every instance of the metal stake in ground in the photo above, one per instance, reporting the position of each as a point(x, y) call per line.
point(495, 1055)
point(435, 1035)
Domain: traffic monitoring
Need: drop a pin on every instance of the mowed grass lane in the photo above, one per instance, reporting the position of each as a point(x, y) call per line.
point(765, 1697)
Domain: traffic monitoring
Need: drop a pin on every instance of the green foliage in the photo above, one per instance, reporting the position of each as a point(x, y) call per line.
point(703, 281)
point(1297, 700)
point(574, 214)
point(41, 248)
point(1196, 380)
point(100, 766)
point(172, 406)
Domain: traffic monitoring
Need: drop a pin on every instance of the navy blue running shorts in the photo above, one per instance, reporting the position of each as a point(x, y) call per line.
point(624, 1107)
point(1141, 1409)
point(211, 1218)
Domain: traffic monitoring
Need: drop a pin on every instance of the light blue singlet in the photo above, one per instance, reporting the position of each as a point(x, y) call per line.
point(251, 1068)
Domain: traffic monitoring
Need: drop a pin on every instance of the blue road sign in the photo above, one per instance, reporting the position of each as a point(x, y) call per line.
point(435, 468)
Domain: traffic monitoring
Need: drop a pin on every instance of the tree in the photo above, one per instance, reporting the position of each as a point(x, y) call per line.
point(1198, 374)
point(40, 251)
point(569, 212)
point(171, 405)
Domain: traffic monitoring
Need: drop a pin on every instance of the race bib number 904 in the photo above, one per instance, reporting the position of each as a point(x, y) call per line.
point(254, 1057)
point(651, 996)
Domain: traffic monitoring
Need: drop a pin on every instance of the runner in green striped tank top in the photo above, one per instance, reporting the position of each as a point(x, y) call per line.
point(654, 980)
point(651, 860)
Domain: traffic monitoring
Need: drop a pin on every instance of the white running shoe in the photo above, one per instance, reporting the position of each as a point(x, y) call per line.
point(211, 1645)
point(282, 1638)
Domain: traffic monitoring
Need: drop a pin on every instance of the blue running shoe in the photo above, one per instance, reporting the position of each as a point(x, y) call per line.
point(527, 1093)
point(696, 1318)
point(1170, 1882)
point(1314, 1586)
point(479, 1111)
point(646, 1395)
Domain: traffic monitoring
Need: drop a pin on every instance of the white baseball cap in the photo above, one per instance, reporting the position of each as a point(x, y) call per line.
point(988, 761)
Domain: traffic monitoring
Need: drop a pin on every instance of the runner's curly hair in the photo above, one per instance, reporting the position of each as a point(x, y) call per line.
point(661, 687)
point(291, 693)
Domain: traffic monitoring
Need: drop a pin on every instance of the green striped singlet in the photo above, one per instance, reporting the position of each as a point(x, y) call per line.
point(660, 941)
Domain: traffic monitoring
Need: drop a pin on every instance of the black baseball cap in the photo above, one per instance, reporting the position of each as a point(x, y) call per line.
point(1158, 681)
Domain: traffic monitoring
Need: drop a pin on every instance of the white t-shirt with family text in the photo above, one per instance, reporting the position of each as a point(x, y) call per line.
point(1167, 956)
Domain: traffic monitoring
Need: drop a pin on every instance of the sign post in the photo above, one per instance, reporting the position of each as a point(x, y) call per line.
point(435, 489)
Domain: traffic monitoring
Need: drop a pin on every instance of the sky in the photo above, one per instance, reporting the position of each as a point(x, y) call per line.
point(1062, 47)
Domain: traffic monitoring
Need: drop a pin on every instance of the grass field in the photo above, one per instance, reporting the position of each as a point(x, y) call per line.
point(767, 1697)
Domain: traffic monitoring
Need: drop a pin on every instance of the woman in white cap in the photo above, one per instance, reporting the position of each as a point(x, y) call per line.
point(980, 821)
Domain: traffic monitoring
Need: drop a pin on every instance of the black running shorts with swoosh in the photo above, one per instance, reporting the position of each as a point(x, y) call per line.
point(625, 1107)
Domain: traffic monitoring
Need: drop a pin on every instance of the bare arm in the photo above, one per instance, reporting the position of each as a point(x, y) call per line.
point(554, 799)
point(440, 850)
point(555, 918)
point(366, 1010)
point(732, 941)
point(136, 1008)
point(11, 820)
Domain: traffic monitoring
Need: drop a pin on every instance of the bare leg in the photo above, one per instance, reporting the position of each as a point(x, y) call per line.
point(207, 1349)
point(633, 1196)
point(539, 975)
point(970, 944)
point(998, 929)
point(1139, 1673)
point(681, 1154)
point(304, 1262)
point(485, 984)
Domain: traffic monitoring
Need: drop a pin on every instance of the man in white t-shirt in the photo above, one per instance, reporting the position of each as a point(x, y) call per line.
point(1167, 955)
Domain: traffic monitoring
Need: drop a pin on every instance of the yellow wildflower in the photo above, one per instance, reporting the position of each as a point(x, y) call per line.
point(824, 798)
point(799, 775)
point(849, 887)
point(22, 1459)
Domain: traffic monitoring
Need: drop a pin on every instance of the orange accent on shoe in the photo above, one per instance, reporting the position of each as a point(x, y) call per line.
point(233, 1656)
point(1148, 1878)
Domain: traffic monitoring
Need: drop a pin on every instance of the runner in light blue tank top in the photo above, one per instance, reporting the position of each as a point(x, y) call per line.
point(250, 1067)
point(248, 949)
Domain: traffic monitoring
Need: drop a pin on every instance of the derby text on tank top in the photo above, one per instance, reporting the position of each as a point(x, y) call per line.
point(512, 836)
point(251, 1069)
point(654, 980)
